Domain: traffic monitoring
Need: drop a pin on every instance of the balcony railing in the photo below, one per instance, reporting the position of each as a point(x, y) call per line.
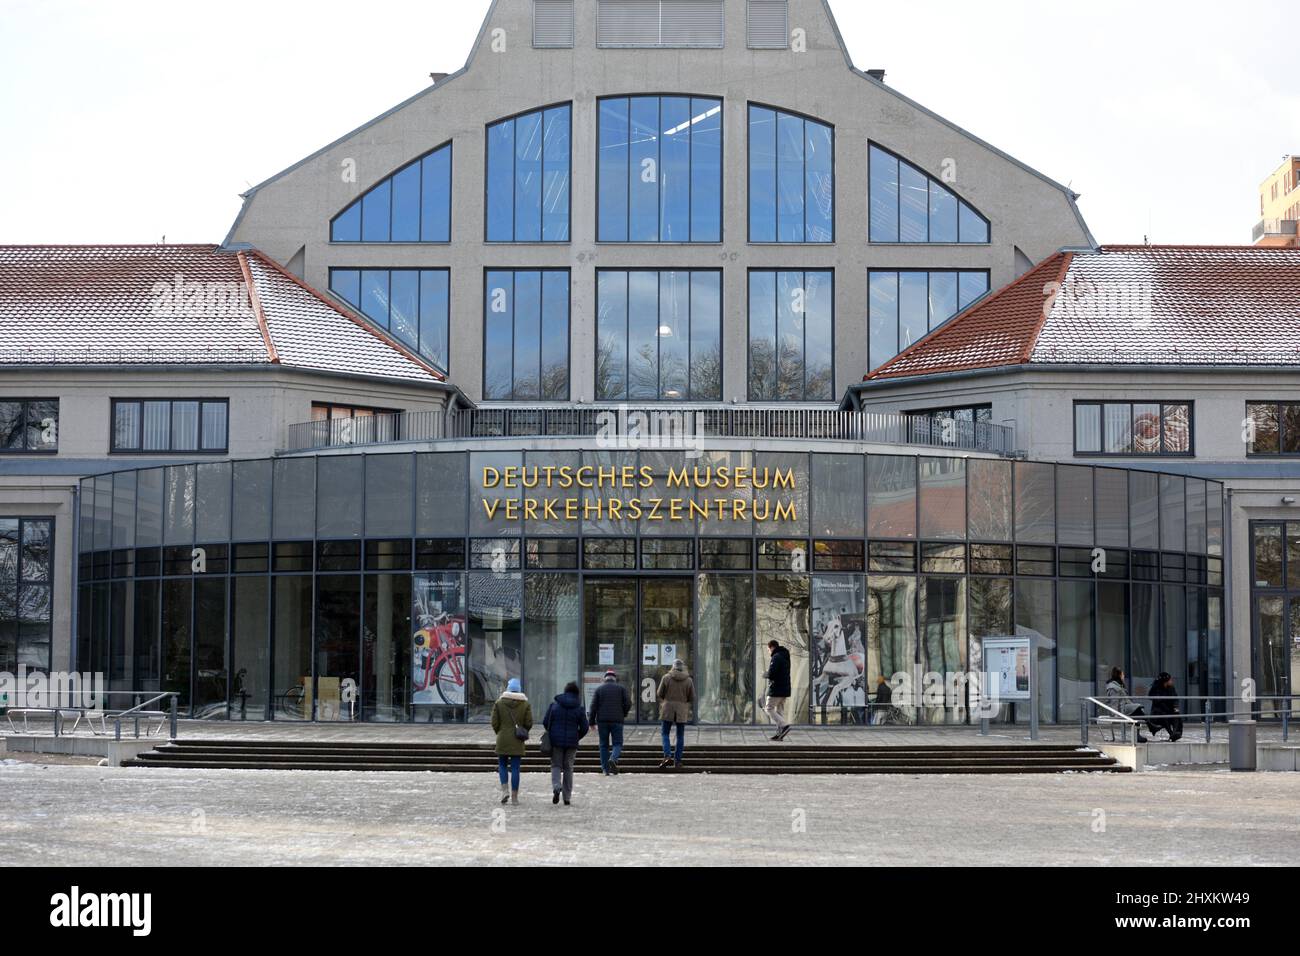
point(628, 427)
point(1274, 227)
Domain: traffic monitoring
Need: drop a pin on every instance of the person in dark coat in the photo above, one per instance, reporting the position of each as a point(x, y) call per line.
point(610, 706)
point(566, 722)
point(884, 702)
point(1164, 708)
point(778, 688)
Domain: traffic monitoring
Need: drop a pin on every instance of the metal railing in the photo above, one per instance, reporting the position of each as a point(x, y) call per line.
point(1274, 227)
point(648, 425)
point(1095, 710)
point(89, 715)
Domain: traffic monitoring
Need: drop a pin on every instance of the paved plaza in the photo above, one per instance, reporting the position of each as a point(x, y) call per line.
point(89, 815)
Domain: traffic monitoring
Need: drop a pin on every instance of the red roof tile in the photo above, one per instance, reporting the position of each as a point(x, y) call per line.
point(1127, 305)
point(998, 330)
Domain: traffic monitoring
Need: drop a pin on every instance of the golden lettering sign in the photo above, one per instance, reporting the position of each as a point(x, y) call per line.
point(724, 504)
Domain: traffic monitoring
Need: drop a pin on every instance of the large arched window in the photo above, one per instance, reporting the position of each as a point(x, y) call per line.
point(412, 205)
point(909, 206)
point(791, 178)
point(528, 167)
point(660, 169)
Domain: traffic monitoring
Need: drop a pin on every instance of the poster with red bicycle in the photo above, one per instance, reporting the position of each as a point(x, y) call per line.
point(440, 645)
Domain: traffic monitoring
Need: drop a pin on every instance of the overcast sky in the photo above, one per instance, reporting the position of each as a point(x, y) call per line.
point(128, 120)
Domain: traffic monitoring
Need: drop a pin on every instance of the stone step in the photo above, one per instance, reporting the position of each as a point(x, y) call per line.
point(739, 760)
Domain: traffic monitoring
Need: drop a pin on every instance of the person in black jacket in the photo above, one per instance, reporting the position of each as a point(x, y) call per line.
point(610, 706)
point(1164, 708)
point(566, 722)
point(778, 688)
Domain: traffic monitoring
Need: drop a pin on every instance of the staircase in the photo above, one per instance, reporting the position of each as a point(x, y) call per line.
point(479, 758)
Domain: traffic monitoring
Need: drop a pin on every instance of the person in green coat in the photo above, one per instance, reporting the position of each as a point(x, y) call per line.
point(510, 711)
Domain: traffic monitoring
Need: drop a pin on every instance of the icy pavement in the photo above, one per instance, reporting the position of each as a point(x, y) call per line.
point(96, 815)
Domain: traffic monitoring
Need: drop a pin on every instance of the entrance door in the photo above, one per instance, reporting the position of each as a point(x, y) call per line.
point(637, 627)
point(665, 636)
point(1277, 629)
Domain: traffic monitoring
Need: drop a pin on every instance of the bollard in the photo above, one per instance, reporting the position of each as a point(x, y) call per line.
point(1241, 745)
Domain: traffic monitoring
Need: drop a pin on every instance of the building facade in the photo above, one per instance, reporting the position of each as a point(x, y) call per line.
point(1279, 206)
point(555, 367)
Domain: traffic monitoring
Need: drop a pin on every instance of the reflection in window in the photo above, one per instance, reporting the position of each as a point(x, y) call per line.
point(659, 336)
point(412, 304)
point(26, 599)
point(791, 317)
point(660, 169)
point(412, 205)
point(1133, 428)
point(909, 206)
point(791, 178)
point(1275, 426)
point(526, 336)
point(905, 305)
point(528, 165)
point(28, 425)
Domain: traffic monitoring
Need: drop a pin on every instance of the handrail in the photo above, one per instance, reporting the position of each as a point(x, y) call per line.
point(139, 712)
point(649, 426)
point(1253, 707)
point(105, 714)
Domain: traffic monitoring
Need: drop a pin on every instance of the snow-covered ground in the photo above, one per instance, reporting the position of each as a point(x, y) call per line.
point(91, 815)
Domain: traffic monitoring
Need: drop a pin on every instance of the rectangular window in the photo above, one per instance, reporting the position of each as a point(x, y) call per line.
point(29, 425)
point(526, 336)
point(1275, 428)
point(412, 304)
point(791, 342)
point(26, 581)
point(791, 178)
point(726, 554)
point(905, 305)
point(659, 336)
point(552, 24)
point(191, 426)
point(683, 24)
point(528, 174)
point(659, 169)
point(1133, 428)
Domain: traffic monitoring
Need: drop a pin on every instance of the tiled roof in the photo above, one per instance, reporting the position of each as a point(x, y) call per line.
point(1127, 305)
point(181, 305)
point(998, 330)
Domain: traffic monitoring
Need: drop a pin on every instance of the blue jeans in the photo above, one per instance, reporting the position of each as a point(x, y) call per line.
point(681, 739)
point(513, 764)
point(610, 734)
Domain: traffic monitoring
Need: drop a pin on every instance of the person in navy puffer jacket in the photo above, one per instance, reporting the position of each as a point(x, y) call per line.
point(566, 722)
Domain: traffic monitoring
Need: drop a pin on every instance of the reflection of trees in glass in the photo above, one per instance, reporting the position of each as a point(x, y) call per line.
point(611, 383)
point(11, 424)
point(724, 653)
point(789, 370)
point(643, 372)
point(762, 370)
point(706, 375)
point(555, 382)
point(819, 388)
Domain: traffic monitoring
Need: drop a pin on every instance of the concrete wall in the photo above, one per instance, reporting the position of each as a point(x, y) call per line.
point(290, 215)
